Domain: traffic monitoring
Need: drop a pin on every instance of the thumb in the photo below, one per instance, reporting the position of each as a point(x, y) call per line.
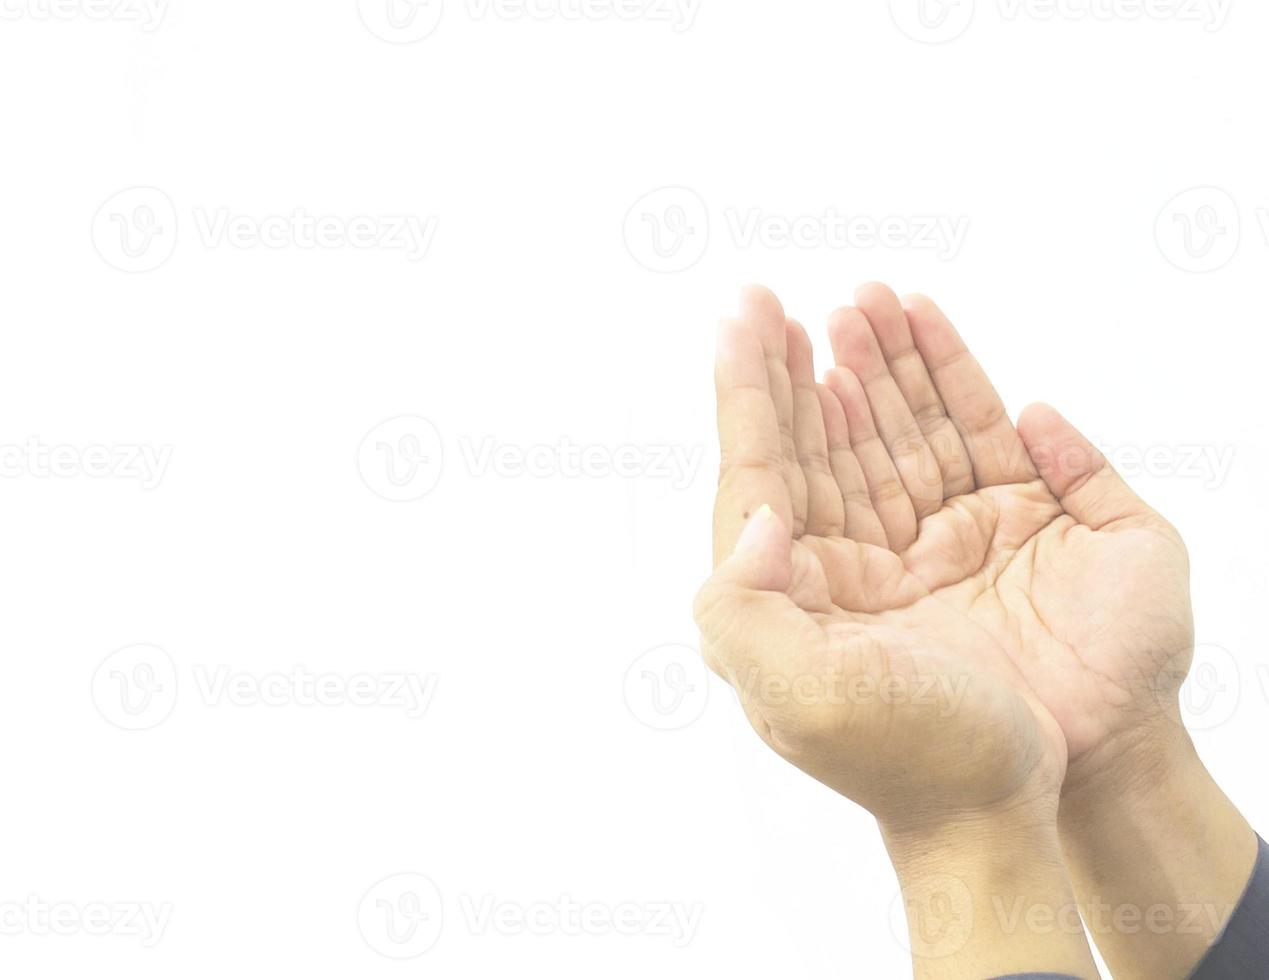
point(1074, 470)
point(745, 599)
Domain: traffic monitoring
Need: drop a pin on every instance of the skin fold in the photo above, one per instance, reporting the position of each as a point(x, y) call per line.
point(954, 620)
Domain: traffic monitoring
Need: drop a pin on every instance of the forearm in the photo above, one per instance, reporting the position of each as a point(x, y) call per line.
point(989, 898)
point(1158, 854)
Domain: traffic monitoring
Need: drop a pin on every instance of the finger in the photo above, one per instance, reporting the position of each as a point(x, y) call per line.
point(760, 308)
point(890, 326)
point(995, 450)
point(751, 472)
point(862, 578)
point(825, 516)
point(1075, 472)
point(889, 496)
point(862, 523)
point(855, 347)
point(746, 618)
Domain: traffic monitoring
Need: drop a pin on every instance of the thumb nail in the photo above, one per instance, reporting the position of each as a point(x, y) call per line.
point(755, 531)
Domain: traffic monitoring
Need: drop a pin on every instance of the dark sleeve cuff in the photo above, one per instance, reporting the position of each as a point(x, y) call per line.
point(1241, 952)
point(1038, 976)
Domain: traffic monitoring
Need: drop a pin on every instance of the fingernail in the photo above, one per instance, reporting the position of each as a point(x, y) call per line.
point(756, 528)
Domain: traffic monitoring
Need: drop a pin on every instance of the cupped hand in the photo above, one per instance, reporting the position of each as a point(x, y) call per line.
point(924, 520)
point(876, 678)
point(1026, 529)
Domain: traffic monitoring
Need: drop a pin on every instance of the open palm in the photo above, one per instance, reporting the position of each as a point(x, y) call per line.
point(934, 534)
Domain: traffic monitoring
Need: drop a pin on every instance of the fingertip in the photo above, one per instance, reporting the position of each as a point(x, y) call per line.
point(759, 300)
point(932, 331)
point(801, 354)
point(915, 301)
point(845, 384)
point(844, 317)
point(760, 307)
point(851, 336)
point(834, 415)
point(1039, 419)
point(842, 380)
point(875, 293)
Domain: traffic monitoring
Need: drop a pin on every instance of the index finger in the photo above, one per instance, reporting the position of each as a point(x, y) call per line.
point(752, 452)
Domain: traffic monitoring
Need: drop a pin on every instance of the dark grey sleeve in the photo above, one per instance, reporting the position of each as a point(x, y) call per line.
point(1241, 952)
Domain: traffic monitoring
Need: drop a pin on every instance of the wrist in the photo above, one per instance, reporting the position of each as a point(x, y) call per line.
point(1130, 766)
point(1152, 786)
point(1158, 854)
point(988, 895)
point(980, 844)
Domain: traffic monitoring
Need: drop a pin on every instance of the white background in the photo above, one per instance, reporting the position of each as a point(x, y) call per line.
point(543, 316)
